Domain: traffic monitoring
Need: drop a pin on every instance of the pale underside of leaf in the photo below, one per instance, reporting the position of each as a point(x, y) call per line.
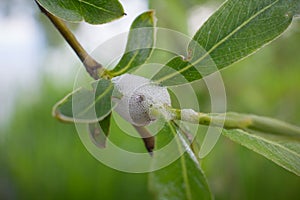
point(283, 150)
point(99, 131)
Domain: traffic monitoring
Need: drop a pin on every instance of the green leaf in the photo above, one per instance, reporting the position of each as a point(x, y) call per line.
point(170, 74)
point(139, 44)
point(283, 150)
point(236, 30)
point(182, 179)
point(91, 11)
point(86, 105)
point(99, 131)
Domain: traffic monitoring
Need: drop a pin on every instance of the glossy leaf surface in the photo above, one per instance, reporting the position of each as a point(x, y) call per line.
point(91, 11)
point(139, 44)
point(236, 30)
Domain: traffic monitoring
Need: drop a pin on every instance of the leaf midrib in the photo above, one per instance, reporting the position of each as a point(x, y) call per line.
point(183, 164)
point(127, 66)
point(97, 99)
point(275, 144)
point(95, 6)
point(219, 43)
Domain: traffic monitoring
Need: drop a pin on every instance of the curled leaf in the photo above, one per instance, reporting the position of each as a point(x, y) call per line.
point(86, 105)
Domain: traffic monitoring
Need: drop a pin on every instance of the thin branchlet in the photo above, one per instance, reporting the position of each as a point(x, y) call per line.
point(233, 120)
point(95, 69)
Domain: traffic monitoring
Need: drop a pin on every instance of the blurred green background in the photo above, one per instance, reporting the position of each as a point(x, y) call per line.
point(41, 158)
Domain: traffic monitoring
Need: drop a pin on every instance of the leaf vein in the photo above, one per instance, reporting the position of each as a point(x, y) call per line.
point(220, 42)
point(95, 6)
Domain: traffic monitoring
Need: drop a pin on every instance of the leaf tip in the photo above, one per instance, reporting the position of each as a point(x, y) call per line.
point(151, 12)
point(152, 15)
point(149, 16)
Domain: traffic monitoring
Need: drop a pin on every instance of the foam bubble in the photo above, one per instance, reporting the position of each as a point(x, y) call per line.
point(139, 94)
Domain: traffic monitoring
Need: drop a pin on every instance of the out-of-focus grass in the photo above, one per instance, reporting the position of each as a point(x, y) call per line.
point(42, 158)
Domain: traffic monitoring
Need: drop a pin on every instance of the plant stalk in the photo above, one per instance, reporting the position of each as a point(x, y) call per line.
point(233, 120)
point(95, 69)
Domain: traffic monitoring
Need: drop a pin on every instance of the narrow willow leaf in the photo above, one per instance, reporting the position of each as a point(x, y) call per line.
point(91, 11)
point(139, 44)
point(283, 150)
point(170, 74)
point(86, 105)
point(236, 30)
point(182, 179)
point(99, 131)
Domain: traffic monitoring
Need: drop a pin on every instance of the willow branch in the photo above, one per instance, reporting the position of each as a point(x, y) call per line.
point(94, 68)
point(233, 120)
